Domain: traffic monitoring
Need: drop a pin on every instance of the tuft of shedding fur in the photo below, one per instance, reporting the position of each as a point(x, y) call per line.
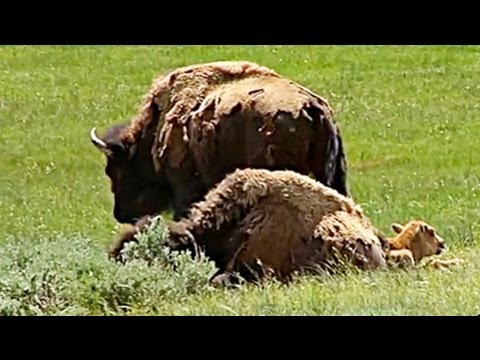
point(283, 220)
point(204, 93)
point(181, 90)
point(195, 80)
point(174, 95)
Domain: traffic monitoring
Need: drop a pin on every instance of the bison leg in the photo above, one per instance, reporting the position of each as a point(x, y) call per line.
point(327, 156)
point(340, 174)
point(125, 237)
point(128, 235)
point(227, 276)
point(225, 279)
point(187, 189)
point(401, 258)
point(222, 246)
point(180, 235)
point(445, 264)
point(183, 200)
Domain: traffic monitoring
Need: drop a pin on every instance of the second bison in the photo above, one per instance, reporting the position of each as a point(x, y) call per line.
point(201, 122)
point(257, 220)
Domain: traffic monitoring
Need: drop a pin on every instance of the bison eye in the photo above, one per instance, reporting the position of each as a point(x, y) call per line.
point(117, 149)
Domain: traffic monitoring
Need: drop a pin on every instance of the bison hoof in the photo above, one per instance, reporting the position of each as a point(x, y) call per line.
point(446, 264)
point(228, 280)
point(114, 254)
point(179, 236)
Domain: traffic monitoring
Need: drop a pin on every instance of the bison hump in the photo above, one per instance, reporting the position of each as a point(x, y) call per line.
point(263, 97)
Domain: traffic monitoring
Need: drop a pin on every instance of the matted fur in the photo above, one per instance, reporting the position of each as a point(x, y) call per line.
point(285, 220)
point(187, 105)
point(187, 86)
point(201, 122)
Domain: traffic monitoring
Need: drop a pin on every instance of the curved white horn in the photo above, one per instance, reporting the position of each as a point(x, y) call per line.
point(96, 140)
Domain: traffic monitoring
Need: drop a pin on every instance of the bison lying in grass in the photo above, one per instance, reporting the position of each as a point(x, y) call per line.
point(201, 122)
point(414, 242)
point(258, 222)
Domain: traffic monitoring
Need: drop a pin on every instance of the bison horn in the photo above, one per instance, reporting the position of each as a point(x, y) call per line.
point(99, 143)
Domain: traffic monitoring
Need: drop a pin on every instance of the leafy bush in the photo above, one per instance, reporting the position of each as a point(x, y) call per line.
point(72, 275)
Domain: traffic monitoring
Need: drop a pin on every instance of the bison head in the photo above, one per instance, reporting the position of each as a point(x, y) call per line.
point(422, 239)
point(138, 191)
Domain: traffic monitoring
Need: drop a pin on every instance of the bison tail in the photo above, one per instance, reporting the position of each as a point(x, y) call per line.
point(327, 156)
point(339, 181)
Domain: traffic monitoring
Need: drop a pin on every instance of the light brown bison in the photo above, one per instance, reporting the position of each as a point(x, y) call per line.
point(201, 122)
point(258, 221)
point(414, 242)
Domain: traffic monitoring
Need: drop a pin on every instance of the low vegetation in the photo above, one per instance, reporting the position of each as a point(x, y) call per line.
point(409, 117)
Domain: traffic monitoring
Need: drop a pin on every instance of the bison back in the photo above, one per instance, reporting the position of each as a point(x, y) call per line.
point(265, 122)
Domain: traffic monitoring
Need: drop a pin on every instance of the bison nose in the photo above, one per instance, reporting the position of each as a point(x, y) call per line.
point(123, 218)
point(441, 247)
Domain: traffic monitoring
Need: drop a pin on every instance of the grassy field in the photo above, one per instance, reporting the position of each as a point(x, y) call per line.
point(410, 121)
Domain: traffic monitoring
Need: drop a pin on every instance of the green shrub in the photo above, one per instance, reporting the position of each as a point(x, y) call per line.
point(72, 275)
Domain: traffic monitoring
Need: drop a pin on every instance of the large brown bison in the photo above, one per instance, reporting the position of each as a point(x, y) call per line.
point(201, 122)
point(257, 221)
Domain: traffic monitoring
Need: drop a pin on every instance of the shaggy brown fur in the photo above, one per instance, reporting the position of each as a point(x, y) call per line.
point(189, 85)
point(282, 220)
point(201, 122)
point(260, 222)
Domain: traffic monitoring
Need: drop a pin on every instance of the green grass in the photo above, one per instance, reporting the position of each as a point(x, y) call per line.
point(410, 121)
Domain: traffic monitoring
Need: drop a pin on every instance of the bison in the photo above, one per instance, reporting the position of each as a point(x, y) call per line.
point(201, 122)
point(258, 221)
point(415, 241)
